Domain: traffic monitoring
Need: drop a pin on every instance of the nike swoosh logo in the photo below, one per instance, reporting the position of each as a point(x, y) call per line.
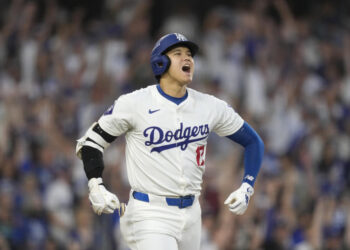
point(153, 111)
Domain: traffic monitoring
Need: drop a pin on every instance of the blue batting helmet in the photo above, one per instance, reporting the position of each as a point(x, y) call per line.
point(159, 61)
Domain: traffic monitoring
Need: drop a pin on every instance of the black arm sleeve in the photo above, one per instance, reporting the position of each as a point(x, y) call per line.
point(93, 162)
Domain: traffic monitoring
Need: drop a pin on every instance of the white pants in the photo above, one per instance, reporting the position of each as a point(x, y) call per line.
point(155, 225)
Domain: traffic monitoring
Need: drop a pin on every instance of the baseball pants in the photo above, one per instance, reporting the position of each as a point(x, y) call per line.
point(156, 225)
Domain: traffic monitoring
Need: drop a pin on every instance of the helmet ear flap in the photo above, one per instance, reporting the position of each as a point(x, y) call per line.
point(160, 64)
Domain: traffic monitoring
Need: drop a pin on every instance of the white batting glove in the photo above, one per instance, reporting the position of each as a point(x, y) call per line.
point(238, 200)
point(102, 201)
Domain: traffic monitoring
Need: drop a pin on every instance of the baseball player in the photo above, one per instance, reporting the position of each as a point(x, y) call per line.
point(166, 127)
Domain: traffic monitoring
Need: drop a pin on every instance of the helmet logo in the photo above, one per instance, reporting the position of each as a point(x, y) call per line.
point(180, 37)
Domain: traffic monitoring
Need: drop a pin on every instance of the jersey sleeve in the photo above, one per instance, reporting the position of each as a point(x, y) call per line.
point(227, 120)
point(117, 120)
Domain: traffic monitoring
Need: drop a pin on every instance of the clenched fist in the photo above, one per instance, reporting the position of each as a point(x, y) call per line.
point(238, 200)
point(102, 201)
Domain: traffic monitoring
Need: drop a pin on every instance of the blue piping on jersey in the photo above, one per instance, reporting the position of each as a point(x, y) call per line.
point(253, 151)
point(175, 100)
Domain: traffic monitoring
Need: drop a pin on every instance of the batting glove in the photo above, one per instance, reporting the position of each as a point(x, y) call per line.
point(238, 200)
point(102, 201)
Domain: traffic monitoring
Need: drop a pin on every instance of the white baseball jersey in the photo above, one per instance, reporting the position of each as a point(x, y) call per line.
point(166, 142)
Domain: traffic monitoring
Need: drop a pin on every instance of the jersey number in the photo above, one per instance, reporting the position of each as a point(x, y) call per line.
point(200, 155)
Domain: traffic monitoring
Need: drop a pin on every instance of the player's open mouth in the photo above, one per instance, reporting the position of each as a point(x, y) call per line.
point(186, 68)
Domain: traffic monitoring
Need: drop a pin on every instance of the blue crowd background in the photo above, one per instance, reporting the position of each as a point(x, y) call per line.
point(283, 65)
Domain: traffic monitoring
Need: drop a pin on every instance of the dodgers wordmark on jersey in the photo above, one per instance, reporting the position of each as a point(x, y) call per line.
point(166, 142)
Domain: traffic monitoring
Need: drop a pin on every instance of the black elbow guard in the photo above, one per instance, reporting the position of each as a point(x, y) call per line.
point(93, 162)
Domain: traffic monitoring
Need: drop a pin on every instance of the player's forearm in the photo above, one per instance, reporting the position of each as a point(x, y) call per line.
point(93, 162)
point(253, 151)
point(253, 155)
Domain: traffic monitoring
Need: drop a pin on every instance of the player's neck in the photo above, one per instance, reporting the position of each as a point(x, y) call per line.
point(173, 89)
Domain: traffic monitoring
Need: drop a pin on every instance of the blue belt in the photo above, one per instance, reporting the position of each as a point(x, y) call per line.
point(181, 202)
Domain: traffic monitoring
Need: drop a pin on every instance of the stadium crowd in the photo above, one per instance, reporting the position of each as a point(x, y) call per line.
point(288, 75)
